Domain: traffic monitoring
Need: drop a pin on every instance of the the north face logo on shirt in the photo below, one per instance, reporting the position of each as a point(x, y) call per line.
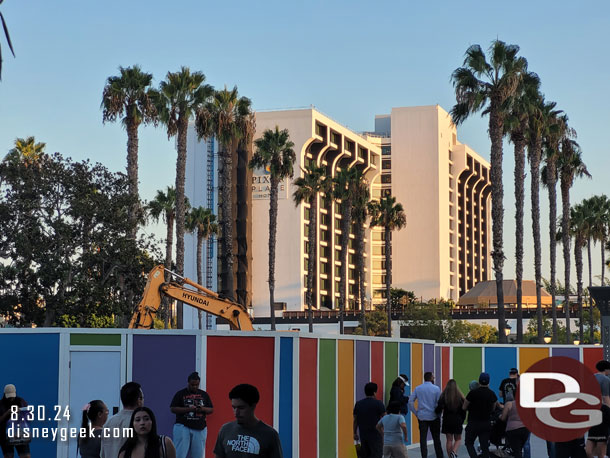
point(246, 444)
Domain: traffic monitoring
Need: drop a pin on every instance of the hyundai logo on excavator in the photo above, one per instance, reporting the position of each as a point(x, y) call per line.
point(198, 299)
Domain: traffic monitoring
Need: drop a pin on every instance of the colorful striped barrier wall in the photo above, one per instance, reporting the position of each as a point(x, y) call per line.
point(308, 383)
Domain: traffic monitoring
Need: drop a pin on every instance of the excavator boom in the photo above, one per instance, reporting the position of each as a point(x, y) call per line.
point(200, 298)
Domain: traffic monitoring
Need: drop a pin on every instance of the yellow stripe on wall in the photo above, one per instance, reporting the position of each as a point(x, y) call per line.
point(417, 378)
point(345, 392)
point(529, 356)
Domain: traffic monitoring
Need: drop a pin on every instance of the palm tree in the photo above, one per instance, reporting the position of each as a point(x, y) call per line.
point(202, 221)
point(570, 166)
point(129, 97)
point(246, 127)
point(275, 153)
point(388, 214)
point(550, 176)
point(344, 186)
point(313, 182)
point(26, 150)
point(542, 116)
point(164, 206)
point(179, 97)
point(516, 126)
point(601, 226)
point(480, 85)
point(360, 202)
point(8, 40)
point(579, 231)
point(218, 117)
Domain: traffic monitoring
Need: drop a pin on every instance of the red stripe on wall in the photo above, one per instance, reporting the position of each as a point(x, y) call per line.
point(591, 356)
point(445, 358)
point(231, 361)
point(377, 367)
point(308, 397)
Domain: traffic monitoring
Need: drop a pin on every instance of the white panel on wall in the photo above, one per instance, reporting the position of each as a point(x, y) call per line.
point(93, 375)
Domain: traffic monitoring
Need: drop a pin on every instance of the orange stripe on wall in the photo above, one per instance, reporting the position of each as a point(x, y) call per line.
point(417, 378)
point(345, 391)
point(529, 356)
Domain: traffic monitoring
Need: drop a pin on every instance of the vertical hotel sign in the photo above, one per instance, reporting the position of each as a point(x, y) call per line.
point(261, 185)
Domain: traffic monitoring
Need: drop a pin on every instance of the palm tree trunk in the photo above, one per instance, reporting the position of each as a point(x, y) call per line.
point(565, 228)
point(603, 243)
point(180, 208)
point(243, 233)
point(361, 276)
point(388, 277)
point(496, 124)
point(591, 320)
point(519, 201)
point(169, 243)
point(578, 246)
point(346, 220)
point(227, 223)
point(311, 263)
point(272, 242)
point(551, 173)
point(535, 192)
point(199, 272)
point(132, 175)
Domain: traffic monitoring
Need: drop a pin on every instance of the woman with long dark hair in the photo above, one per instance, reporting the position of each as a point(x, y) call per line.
point(145, 442)
point(450, 404)
point(96, 414)
point(397, 393)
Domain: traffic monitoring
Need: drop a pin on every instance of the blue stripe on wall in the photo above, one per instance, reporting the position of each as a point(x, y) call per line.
point(404, 366)
point(498, 361)
point(285, 423)
point(31, 363)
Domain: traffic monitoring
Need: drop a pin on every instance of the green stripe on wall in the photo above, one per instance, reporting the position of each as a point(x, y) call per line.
point(390, 367)
point(113, 340)
point(466, 366)
point(327, 409)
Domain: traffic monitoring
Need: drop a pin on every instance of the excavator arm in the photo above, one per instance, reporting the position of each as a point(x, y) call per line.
point(200, 298)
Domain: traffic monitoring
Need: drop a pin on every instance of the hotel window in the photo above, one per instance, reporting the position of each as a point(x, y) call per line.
point(352, 274)
point(324, 236)
point(386, 178)
point(386, 164)
point(335, 138)
point(324, 219)
point(324, 267)
point(353, 289)
point(361, 152)
point(450, 169)
point(386, 192)
point(450, 155)
point(320, 130)
point(324, 251)
point(349, 146)
point(337, 271)
point(324, 284)
point(386, 150)
point(374, 159)
point(337, 239)
point(450, 182)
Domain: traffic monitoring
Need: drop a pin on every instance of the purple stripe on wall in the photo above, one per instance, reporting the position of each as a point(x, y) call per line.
point(438, 377)
point(573, 353)
point(428, 357)
point(161, 364)
point(363, 367)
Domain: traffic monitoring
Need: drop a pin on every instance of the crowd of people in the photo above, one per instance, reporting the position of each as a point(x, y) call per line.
point(381, 431)
point(137, 426)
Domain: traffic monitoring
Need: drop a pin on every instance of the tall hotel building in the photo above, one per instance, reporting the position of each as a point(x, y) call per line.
point(444, 188)
point(320, 140)
point(414, 155)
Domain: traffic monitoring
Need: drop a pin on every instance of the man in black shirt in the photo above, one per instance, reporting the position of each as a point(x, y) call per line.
point(480, 403)
point(509, 385)
point(367, 413)
point(191, 405)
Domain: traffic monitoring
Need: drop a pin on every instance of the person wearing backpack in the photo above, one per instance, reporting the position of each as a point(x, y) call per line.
point(8, 445)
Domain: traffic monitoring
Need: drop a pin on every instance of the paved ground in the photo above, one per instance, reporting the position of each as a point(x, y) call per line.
point(538, 448)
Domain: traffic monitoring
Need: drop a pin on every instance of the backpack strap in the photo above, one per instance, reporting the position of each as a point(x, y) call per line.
point(163, 446)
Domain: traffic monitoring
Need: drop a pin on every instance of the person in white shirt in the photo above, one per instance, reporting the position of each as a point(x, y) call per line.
point(131, 398)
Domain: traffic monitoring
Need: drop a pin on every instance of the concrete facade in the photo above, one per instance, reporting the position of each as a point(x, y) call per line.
point(444, 188)
point(328, 143)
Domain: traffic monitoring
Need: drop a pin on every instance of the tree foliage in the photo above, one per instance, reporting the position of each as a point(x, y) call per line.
point(67, 257)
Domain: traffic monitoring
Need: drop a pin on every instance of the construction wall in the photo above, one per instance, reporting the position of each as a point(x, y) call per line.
point(308, 383)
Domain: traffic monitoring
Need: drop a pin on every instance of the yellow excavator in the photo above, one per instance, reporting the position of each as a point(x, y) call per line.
point(200, 298)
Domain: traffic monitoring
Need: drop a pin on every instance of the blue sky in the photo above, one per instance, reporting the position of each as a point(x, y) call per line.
point(351, 60)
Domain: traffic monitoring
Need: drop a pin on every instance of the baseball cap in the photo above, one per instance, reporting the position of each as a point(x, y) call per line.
point(514, 370)
point(10, 391)
point(484, 378)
